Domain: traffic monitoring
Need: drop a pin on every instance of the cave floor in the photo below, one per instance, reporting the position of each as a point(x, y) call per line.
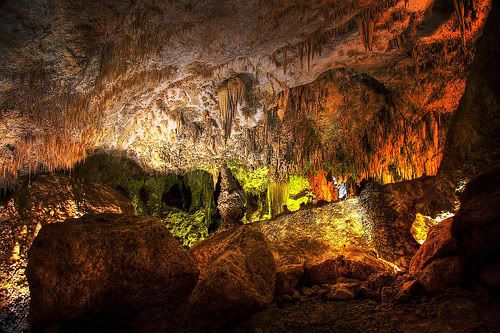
point(453, 311)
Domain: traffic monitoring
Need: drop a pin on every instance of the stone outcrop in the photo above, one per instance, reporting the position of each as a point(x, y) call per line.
point(466, 246)
point(42, 200)
point(237, 275)
point(359, 265)
point(441, 274)
point(439, 243)
point(393, 207)
point(105, 265)
point(231, 201)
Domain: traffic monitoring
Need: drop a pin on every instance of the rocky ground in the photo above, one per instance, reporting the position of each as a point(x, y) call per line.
point(453, 311)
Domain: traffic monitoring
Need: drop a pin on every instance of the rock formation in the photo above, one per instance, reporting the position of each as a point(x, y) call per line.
point(231, 200)
point(114, 77)
point(237, 275)
point(42, 200)
point(116, 266)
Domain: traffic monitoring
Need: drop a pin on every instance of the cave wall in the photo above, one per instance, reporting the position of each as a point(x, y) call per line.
point(473, 143)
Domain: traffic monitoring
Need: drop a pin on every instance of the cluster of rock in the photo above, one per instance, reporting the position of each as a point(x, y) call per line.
point(354, 273)
point(464, 248)
point(393, 207)
point(99, 269)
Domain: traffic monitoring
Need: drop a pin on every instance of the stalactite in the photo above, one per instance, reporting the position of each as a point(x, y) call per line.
point(399, 146)
point(277, 197)
point(231, 94)
point(459, 6)
point(366, 26)
point(414, 55)
point(314, 44)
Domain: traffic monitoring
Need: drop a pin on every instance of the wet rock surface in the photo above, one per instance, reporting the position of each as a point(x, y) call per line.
point(237, 275)
point(114, 266)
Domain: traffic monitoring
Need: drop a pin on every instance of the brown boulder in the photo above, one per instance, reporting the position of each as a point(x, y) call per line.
point(441, 274)
point(439, 243)
point(352, 264)
point(111, 265)
point(288, 277)
point(477, 224)
point(342, 291)
point(237, 275)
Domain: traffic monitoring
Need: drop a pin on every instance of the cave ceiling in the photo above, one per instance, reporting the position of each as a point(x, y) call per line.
point(364, 88)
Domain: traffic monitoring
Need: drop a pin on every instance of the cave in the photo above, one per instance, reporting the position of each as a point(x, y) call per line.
point(249, 166)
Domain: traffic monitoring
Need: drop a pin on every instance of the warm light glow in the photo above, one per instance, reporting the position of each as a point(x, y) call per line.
point(422, 224)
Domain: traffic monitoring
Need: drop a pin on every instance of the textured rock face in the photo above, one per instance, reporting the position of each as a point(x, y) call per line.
point(45, 199)
point(439, 243)
point(231, 201)
point(393, 207)
point(465, 246)
point(181, 83)
point(237, 275)
point(441, 274)
point(359, 265)
point(114, 265)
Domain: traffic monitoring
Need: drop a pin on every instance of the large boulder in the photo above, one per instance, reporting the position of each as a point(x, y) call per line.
point(441, 274)
point(237, 275)
point(439, 243)
point(105, 265)
point(353, 264)
point(37, 201)
point(477, 224)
